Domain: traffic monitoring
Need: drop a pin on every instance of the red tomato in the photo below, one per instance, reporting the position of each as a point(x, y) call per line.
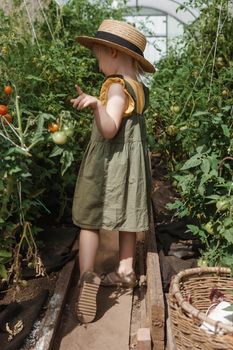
point(8, 89)
point(3, 109)
point(53, 127)
point(7, 118)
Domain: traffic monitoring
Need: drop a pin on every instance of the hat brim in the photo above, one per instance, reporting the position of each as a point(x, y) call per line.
point(89, 42)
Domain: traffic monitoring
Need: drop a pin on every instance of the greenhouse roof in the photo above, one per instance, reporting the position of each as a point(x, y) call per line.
point(170, 7)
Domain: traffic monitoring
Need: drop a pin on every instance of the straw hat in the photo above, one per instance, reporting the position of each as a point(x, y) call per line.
point(122, 36)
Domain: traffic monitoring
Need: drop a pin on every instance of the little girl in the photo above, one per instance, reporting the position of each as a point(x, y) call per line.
point(113, 186)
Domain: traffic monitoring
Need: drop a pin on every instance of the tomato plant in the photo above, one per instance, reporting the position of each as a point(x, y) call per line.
point(43, 75)
point(191, 121)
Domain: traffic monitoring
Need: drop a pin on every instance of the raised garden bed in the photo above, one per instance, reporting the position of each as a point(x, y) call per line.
point(30, 312)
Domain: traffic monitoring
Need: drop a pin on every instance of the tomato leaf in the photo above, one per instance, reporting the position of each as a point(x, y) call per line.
point(3, 271)
point(225, 130)
point(39, 130)
point(205, 166)
point(228, 234)
point(192, 163)
point(200, 113)
point(66, 160)
point(57, 151)
point(5, 254)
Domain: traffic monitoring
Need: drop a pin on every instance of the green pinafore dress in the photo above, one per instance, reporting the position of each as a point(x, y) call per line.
point(114, 183)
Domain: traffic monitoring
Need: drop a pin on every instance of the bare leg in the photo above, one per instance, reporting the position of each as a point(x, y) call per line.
point(89, 282)
point(127, 242)
point(125, 275)
point(88, 246)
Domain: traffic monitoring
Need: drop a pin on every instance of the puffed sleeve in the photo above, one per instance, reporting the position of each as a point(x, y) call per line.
point(104, 94)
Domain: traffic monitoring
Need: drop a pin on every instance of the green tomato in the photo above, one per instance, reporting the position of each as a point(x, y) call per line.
point(201, 263)
point(194, 124)
point(209, 227)
point(220, 62)
point(68, 130)
point(175, 109)
point(222, 205)
point(172, 130)
point(225, 92)
point(59, 137)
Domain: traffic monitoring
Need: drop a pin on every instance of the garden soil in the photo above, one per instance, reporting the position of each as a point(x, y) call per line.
point(178, 249)
point(22, 305)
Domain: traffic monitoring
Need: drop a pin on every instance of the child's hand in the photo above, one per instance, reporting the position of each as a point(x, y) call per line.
point(84, 100)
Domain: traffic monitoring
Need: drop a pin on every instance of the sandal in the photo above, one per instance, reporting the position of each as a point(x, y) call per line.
point(85, 306)
point(114, 279)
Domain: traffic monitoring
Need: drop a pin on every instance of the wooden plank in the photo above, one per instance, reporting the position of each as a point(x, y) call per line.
point(135, 320)
point(154, 297)
point(142, 284)
point(143, 339)
point(138, 314)
point(52, 316)
point(170, 339)
point(170, 344)
point(143, 333)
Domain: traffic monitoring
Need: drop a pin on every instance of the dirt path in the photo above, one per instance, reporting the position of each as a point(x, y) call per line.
point(111, 328)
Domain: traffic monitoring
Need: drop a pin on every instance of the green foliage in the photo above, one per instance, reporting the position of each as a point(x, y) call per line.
point(4, 259)
point(192, 118)
point(43, 65)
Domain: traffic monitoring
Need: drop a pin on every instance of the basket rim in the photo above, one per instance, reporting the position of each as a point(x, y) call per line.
point(175, 291)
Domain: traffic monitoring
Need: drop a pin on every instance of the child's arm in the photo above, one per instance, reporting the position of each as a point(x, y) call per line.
point(108, 118)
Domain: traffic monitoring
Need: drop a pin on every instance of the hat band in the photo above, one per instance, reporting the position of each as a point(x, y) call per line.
point(118, 40)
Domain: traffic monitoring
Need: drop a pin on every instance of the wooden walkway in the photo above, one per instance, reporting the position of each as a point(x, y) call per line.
point(111, 328)
point(124, 321)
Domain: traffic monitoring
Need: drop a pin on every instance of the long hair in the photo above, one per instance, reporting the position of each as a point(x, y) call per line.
point(140, 73)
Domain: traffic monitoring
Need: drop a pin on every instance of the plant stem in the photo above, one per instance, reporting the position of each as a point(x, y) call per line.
point(5, 200)
point(20, 129)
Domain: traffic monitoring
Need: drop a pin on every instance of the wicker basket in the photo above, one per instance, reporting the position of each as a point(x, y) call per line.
point(188, 302)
